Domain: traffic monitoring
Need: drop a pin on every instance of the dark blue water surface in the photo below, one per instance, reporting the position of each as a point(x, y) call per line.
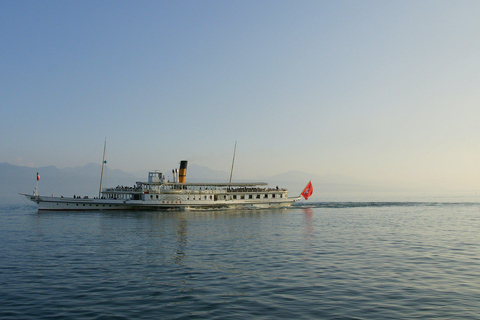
point(335, 260)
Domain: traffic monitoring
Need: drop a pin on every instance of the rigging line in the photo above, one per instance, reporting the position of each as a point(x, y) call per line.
point(233, 161)
point(91, 153)
point(103, 164)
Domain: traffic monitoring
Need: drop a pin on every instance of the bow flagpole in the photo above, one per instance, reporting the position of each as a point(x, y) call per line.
point(36, 187)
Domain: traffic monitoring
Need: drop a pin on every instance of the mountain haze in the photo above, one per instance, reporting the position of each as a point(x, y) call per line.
point(85, 180)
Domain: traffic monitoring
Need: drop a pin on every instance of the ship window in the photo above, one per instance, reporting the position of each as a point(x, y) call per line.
point(235, 197)
point(250, 196)
point(266, 195)
point(273, 195)
point(151, 196)
point(242, 197)
point(258, 196)
point(157, 196)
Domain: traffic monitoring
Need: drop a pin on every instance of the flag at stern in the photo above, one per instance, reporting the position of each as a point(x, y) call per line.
point(307, 192)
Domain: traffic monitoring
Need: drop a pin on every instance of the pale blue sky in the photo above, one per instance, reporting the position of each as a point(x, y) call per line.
point(382, 91)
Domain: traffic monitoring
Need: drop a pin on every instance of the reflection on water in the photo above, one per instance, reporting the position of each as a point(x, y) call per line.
point(182, 240)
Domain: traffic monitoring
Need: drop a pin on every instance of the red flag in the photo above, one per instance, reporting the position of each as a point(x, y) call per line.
point(307, 192)
point(38, 176)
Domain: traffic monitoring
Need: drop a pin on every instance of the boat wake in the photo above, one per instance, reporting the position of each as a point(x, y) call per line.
point(341, 205)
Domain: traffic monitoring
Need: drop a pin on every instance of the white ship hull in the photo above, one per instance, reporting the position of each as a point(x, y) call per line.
point(81, 204)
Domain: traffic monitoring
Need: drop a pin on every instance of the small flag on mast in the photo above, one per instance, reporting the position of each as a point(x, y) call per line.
point(38, 176)
point(307, 192)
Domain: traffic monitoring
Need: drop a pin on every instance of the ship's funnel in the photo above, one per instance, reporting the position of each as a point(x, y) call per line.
point(183, 171)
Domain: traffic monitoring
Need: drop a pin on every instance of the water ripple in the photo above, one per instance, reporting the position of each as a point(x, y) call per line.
point(326, 261)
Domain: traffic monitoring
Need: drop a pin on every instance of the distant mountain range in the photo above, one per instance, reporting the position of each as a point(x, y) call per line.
point(85, 180)
point(67, 181)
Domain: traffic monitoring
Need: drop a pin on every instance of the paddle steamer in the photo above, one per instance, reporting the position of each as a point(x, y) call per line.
point(158, 194)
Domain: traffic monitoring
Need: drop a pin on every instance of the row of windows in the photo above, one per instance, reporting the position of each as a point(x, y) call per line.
point(200, 198)
point(90, 205)
point(235, 197)
point(258, 196)
point(194, 198)
point(120, 196)
point(249, 196)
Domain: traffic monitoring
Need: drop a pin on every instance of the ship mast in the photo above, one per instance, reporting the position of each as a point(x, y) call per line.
point(103, 164)
point(233, 161)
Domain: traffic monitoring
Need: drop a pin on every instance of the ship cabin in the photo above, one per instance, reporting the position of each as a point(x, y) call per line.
point(157, 186)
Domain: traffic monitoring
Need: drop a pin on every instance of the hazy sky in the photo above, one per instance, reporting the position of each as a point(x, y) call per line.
point(377, 90)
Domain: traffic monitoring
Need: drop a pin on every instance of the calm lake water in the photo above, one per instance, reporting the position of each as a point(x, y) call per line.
point(330, 260)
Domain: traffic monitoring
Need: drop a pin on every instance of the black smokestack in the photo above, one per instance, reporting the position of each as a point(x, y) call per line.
point(183, 171)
